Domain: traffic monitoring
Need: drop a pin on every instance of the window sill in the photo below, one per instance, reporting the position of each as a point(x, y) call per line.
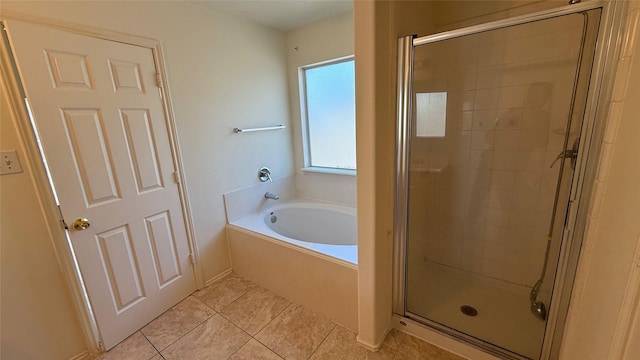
point(323, 170)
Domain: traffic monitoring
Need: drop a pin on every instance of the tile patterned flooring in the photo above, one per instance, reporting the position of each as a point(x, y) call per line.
point(236, 319)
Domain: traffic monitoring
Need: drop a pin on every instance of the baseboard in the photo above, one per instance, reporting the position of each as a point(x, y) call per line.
point(219, 277)
point(85, 355)
point(368, 346)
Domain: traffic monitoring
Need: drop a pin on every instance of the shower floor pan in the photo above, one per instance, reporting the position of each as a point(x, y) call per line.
point(503, 317)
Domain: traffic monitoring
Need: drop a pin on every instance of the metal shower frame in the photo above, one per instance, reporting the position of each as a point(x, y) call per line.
point(596, 109)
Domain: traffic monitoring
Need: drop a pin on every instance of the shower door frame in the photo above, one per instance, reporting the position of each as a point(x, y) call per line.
point(596, 108)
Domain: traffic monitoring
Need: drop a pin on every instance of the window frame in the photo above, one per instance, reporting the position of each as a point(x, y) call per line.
point(304, 118)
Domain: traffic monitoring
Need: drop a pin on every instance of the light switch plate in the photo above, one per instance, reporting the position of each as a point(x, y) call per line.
point(9, 163)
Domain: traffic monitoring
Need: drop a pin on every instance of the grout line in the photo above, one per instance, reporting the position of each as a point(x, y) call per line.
point(268, 322)
point(243, 345)
point(149, 341)
point(278, 314)
point(185, 334)
point(268, 348)
point(275, 317)
point(238, 298)
point(323, 340)
point(205, 304)
point(253, 336)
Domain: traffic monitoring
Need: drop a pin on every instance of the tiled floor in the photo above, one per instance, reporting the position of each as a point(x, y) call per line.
point(236, 319)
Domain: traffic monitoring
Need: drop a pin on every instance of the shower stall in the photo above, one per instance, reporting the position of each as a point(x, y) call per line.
point(491, 134)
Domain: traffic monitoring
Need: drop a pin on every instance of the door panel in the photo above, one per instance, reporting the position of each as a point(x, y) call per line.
point(91, 156)
point(104, 133)
point(123, 276)
point(163, 245)
point(142, 149)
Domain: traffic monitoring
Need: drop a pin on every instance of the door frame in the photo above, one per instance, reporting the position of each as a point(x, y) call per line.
point(13, 85)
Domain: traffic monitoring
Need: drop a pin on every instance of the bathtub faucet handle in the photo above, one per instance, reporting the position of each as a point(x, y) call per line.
point(264, 174)
point(272, 196)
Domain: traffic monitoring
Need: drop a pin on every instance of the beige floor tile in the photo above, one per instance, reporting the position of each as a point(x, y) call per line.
point(401, 356)
point(214, 339)
point(135, 347)
point(253, 350)
point(224, 292)
point(393, 339)
point(255, 309)
point(296, 333)
point(342, 344)
point(176, 322)
point(419, 349)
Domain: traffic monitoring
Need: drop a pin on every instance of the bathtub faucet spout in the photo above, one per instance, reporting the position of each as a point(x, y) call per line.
point(272, 196)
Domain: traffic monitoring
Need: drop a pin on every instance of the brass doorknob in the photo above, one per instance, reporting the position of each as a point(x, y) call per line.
point(81, 224)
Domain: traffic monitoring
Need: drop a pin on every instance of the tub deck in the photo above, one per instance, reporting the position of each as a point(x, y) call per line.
point(346, 254)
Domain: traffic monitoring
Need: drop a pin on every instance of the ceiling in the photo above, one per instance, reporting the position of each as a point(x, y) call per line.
point(282, 15)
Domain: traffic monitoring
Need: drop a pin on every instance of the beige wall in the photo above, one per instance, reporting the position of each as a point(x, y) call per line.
point(321, 41)
point(605, 307)
point(38, 319)
point(223, 73)
point(372, 322)
point(376, 31)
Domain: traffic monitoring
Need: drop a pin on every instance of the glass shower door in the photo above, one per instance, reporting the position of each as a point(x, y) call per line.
point(492, 112)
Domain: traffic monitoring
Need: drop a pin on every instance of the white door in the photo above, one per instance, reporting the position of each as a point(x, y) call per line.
point(103, 129)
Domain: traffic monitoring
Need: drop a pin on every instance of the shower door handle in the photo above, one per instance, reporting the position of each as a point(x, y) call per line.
point(569, 154)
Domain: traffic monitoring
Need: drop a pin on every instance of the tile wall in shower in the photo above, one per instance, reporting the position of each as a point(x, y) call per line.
point(481, 196)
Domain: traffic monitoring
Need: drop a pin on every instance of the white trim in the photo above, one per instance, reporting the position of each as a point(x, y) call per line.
point(85, 355)
point(304, 112)
point(332, 171)
point(219, 277)
point(82, 29)
point(366, 345)
point(328, 62)
point(44, 191)
point(178, 163)
point(304, 115)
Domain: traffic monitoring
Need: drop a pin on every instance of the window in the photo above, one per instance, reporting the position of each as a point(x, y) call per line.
point(329, 127)
point(431, 114)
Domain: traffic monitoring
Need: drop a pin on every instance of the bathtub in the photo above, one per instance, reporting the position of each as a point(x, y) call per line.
point(304, 251)
point(325, 229)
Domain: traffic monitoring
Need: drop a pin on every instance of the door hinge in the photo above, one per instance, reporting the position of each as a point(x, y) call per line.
point(176, 177)
point(62, 222)
point(570, 218)
point(191, 259)
point(159, 80)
